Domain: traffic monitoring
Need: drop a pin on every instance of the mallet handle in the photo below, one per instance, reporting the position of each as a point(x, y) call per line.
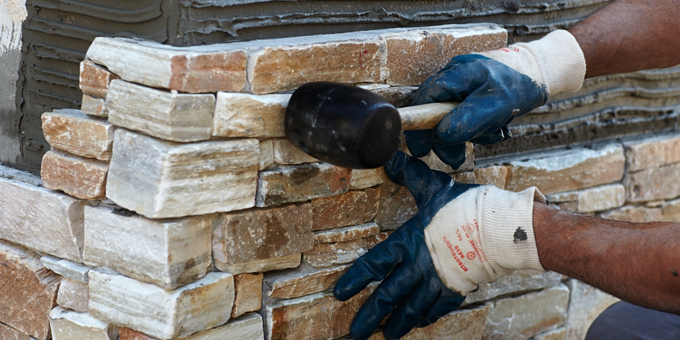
point(424, 117)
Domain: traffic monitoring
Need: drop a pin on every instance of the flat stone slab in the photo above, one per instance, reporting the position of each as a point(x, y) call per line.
point(73, 295)
point(258, 266)
point(248, 115)
point(351, 208)
point(70, 325)
point(593, 199)
point(77, 133)
point(66, 268)
point(247, 327)
point(79, 177)
point(457, 325)
point(293, 284)
point(248, 288)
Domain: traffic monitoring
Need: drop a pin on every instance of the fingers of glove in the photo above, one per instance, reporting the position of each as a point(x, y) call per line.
point(419, 142)
point(416, 176)
point(495, 137)
point(462, 75)
point(408, 314)
point(451, 154)
point(480, 113)
point(389, 294)
point(446, 302)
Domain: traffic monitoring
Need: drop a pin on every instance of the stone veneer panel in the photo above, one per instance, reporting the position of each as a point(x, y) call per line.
point(352, 208)
point(247, 115)
point(296, 183)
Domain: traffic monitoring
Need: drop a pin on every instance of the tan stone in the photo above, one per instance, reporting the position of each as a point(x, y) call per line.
point(395, 207)
point(197, 69)
point(161, 179)
point(9, 333)
point(28, 291)
point(467, 177)
point(247, 115)
point(593, 199)
point(399, 96)
point(70, 325)
point(586, 303)
point(93, 106)
point(566, 171)
point(352, 208)
point(457, 325)
point(286, 153)
point(652, 152)
point(266, 154)
point(296, 183)
point(653, 184)
point(517, 281)
point(77, 133)
point(79, 177)
point(346, 234)
point(317, 316)
point(671, 211)
point(495, 175)
point(94, 79)
point(247, 327)
point(262, 234)
point(330, 254)
point(256, 266)
point(558, 334)
point(248, 290)
point(366, 178)
point(633, 214)
point(73, 295)
point(298, 283)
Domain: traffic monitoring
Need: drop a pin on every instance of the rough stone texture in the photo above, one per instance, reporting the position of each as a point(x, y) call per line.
point(558, 334)
point(399, 96)
point(79, 177)
point(247, 327)
point(266, 154)
point(73, 295)
point(9, 333)
point(28, 291)
point(634, 214)
point(69, 325)
point(286, 153)
point(298, 183)
point(653, 184)
point(396, 206)
point(77, 133)
point(372, 241)
point(330, 254)
point(458, 325)
point(66, 268)
point(593, 199)
point(467, 177)
point(160, 179)
point(346, 234)
point(433, 161)
point(518, 281)
point(292, 284)
point(362, 179)
point(567, 171)
point(94, 79)
point(93, 106)
point(256, 266)
point(167, 253)
point(171, 116)
point(352, 208)
point(317, 316)
point(652, 152)
point(262, 234)
point(41, 219)
point(586, 303)
point(248, 290)
point(247, 115)
point(495, 175)
point(198, 306)
point(525, 316)
point(19, 175)
point(671, 211)
point(196, 69)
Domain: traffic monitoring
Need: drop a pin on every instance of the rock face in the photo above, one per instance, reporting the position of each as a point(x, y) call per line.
point(256, 266)
point(41, 219)
point(247, 115)
point(160, 179)
point(396, 206)
point(247, 327)
point(167, 253)
point(457, 325)
point(300, 283)
point(9, 333)
point(77, 133)
point(163, 314)
point(593, 199)
point(94, 79)
point(352, 208)
point(345, 234)
point(586, 304)
point(248, 290)
point(79, 177)
point(653, 184)
point(28, 292)
point(67, 269)
point(73, 295)
point(329, 254)
point(287, 184)
point(179, 117)
point(69, 325)
point(518, 281)
point(652, 152)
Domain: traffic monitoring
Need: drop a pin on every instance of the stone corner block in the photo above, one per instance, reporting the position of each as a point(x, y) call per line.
point(94, 79)
point(75, 132)
point(67, 325)
point(79, 177)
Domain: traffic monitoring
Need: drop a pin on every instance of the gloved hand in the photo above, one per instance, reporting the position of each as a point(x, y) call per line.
point(463, 235)
point(493, 88)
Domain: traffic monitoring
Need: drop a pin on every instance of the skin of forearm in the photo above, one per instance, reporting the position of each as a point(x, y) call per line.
point(630, 35)
point(636, 262)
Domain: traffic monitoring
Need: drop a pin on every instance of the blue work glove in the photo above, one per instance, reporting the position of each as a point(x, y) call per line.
point(432, 261)
point(493, 88)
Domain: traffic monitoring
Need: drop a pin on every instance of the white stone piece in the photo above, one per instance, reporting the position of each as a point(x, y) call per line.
point(257, 266)
point(73, 295)
point(41, 219)
point(266, 154)
point(247, 115)
point(168, 115)
point(346, 234)
point(246, 327)
point(557, 334)
point(167, 253)
point(366, 178)
point(70, 325)
point(594, 199)
point(161, 179)
point(517, 281)
point(163, 314)
point(585, 305)
point(286, 153)
point(66, 268)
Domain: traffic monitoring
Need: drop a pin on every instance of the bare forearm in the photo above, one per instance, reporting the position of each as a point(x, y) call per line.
point(637, 262)
point(630, 35)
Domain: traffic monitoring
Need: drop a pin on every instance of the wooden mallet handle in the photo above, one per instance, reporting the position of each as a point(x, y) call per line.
point(424, 117)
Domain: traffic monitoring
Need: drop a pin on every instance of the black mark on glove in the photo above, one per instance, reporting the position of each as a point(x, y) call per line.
point(520, 235)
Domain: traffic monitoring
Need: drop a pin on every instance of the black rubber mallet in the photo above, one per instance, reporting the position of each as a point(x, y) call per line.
point(352, 127)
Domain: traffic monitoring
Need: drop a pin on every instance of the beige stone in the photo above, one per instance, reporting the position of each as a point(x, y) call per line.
point(586, 303)
point(296, 183)
point(395, 207)
point(366, 178)
point(633, 214)
point(73, 295)
point(261, 234)
point(248, 290)
point(256, 266)
point(41, 219)
point(346, 234)
point(566, 171)
point(399, 96)
point(671, 211)
point(178, 117)
point(266, 154)
point(653, 184)
point(352, 208)
point(28, 291)
point(160, 179)
point(167, 253)
point(247, 327)
point(558, 334)
point(495, 175)
point(518, 281)
point(286, 153)
point(330, 254)
point(197, 69)
point(292, 284)
point(77, 133)
point(200, 305)
point(79, 177)
point(652, 152)
point(94, 79)
point(247, 115)
point(70, 325)
point(9, 333)
point(525, 316)
point(467, 177)
point(593, 199)
point(458, 325)
point(93, 106)
point(67, 269)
